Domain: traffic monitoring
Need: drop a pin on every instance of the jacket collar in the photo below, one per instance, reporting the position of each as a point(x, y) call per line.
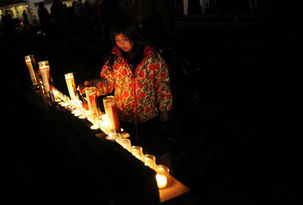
point(117, 51)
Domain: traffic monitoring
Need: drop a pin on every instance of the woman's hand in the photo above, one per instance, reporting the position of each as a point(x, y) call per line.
point(82, 87)
point(164, 116)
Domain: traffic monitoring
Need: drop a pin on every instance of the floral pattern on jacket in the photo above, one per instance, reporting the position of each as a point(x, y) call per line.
point(140, 95)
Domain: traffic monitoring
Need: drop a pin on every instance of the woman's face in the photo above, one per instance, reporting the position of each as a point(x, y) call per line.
point(123, 43)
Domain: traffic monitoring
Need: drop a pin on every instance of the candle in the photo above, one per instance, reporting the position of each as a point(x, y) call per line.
point(71, 85)
point(111, 112)
point(162, 176)
point(161, 181)
point(93, 106)
point(104, 123)
point(118, 138)
point(126, 144)
point(125, 134)
point(29, 60)
point(91, 99)
point(44, 70)
point(56, 94)
point(137, 151)
point(150, 161)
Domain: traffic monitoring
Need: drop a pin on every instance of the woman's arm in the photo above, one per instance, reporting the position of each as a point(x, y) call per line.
point(105, 84)
point(163, 89)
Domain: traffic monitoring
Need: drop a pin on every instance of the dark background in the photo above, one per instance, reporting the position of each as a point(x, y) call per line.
point(236, 123)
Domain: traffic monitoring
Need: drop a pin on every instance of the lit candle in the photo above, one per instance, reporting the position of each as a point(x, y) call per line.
point(126, 144)
point(161, 181)
point(95, 125)
point(162, 176)
point(65, 101)
point(125, 134)
point(111, 112)
point(71, 85)
point(118, 138)
point(76, 112)
point(104, 124)
point(150, 161)
point(92, 99)
point(29, 60)
point(93, 106)
point(137, 151)
point(56, 94)
point(44, 70)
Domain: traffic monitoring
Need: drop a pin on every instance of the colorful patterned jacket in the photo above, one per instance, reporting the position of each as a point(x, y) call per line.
point(140, 95)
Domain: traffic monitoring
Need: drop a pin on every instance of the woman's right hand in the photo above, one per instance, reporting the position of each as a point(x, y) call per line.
point(82, 87)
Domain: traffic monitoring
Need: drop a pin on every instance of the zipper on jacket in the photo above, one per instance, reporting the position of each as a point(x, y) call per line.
point(134, 86)
point(135, 100)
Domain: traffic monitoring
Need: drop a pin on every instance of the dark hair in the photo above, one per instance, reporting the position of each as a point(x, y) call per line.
point(130, 31)
point(133, 34)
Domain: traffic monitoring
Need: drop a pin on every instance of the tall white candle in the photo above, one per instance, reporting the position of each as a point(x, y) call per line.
point(71, 85)
point(29, 64)
point(111, 112)
point(93, 106)
point(45, 75)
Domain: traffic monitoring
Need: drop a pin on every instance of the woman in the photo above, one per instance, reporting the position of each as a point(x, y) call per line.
point(139, 77)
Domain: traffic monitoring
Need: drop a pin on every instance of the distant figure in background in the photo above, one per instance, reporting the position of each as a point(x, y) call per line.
point(253, 6)
point(226, 7)
point(203, 6)
point(44, 18)
point(57, 13)
point(8, 23)
point(82, 14)
point(185, 7)
point(78, 8)
point(159, 23)
point(25, 18)
point(206, 3)
point(152, 18)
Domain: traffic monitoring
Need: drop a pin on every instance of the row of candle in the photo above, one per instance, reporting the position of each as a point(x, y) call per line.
point(107, 122)
point(72, 102)
point(162, 172)
point(162, 176)
point(44, 71)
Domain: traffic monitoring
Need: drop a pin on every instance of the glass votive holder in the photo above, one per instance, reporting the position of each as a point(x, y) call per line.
point(111, 136)
point(71, 86)
point(162, 176)
point(118, 138)
point(65, 101)
point(76, 112)
point(91, 95)
point(79, 108)
point(45, 75)
point(126, 144)
point(150, 161)
point(125, 135)
point(137, 151)
point(110, 108)
point(95, 122)
point(56, 94)
point(104, 124)
point(30, 60)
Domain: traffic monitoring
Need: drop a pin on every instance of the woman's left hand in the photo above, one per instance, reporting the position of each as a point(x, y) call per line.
point(164, 116)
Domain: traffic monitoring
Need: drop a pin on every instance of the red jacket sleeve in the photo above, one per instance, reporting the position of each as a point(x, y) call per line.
point(162, 85)
point(106, 83)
